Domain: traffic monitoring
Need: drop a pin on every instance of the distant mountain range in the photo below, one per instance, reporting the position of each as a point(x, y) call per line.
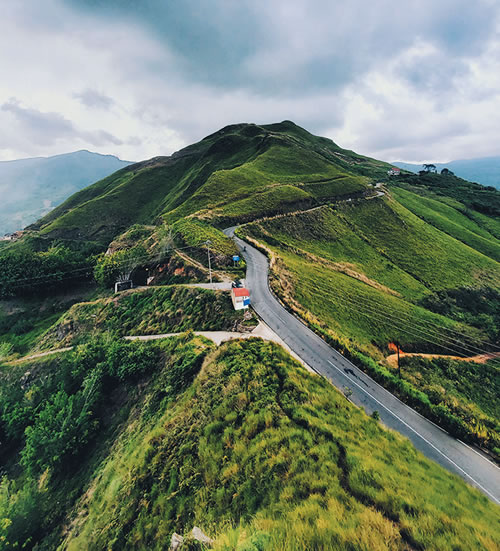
point(30, 188)
point(484, 171)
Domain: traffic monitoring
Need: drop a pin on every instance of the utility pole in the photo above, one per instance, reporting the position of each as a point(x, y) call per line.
point(399, 366)
point(208, 243)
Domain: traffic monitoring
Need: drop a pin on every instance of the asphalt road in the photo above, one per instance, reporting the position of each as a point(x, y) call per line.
point(436, 444)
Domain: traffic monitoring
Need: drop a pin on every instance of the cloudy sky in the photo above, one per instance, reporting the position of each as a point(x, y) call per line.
point(412, 80)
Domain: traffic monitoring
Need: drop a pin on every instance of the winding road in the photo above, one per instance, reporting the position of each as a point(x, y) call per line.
point(432, 441)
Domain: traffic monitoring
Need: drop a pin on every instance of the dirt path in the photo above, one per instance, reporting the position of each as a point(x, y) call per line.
point(41, 354)
point(480, 358)
point(218, 337)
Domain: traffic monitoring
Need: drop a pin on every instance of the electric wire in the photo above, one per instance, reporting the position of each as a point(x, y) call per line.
point(57, 275)
point(421, 335)
point(470, 348)
point(447, 329)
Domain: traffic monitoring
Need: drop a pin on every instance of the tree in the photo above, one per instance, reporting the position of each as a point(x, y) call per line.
point(446, 172)
point(119, 266)
point(61, 428)
point(429, 168)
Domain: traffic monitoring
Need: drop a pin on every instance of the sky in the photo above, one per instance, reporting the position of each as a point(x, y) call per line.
point(409, 80)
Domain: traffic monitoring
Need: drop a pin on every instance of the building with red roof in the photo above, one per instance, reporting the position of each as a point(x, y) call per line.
point(240, 297)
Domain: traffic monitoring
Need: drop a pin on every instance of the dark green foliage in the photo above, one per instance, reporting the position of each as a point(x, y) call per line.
point(150, 311)
point(61, 429)
point(55, 411)
point(26, 271)
point(22, 509)
point(455, 412)
point(119, 265)
point(258, 443)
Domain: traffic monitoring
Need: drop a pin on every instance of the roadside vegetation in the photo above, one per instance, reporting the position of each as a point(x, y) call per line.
point(373, 273)
point(252, 448)
point(117, 444)
point(264, 455)
point(153, 311)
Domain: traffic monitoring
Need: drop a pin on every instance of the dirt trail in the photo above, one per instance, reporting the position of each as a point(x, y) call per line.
point(392, 360)
point(41, 354)
point(218, 337)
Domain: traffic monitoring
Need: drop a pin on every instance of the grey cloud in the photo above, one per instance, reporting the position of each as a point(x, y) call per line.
point(99, 138)
point(46, 128)
point(288, 48)
point(39, 126)
point(435, 73)
point(94, 99)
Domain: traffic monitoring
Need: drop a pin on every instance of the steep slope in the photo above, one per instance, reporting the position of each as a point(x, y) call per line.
point(217, 174)
point(241, 441)
point(415, 267)
point(29, 188)
point(115, 445)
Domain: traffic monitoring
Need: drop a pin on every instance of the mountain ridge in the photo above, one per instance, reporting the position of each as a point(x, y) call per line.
point(122, 443)
point(31, 187)
point(483, 170)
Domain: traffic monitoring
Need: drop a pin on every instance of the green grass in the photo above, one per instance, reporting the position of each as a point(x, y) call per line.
point(151, 311)
point(468, 382)
point(429, 255)
point(216, 172)
point(24, 321)
point(340, 186)
point(357, 275)
point(262, 454)
point(356, 313)
point(277, 200)
point(329, 235)
point(450, 221)
point(194, 232)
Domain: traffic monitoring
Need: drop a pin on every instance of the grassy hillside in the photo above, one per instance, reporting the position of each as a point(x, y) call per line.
point(115, 445)
point(371, 273)
point(251, 447)
point(451, 221)
point(154, 311)
point(221, 169)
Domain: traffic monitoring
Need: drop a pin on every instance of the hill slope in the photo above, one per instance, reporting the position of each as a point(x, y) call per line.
point(240, 171)
point(241, 441)
point(253, 449)
point(29, 188)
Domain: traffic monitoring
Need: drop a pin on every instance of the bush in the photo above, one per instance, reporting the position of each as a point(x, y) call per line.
point(61, 429)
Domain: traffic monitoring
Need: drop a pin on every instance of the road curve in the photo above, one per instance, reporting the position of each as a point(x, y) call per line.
point(436, 444)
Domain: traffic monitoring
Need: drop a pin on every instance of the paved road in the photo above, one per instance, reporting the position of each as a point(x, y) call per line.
point(436, 444)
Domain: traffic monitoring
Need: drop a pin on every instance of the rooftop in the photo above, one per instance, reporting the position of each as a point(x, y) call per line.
point(241, 292)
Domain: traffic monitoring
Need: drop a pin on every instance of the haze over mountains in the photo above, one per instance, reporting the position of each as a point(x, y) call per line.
point(30, 188)
point(484, 171)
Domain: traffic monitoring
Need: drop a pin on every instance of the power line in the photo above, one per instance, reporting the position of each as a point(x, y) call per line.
point(57, 275)
point(441, 327)
point(421, 335)
point(435, 330)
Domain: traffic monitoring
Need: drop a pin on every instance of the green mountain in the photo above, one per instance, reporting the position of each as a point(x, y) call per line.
point(240, 172)
point(30, 188)
point(116, 444)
